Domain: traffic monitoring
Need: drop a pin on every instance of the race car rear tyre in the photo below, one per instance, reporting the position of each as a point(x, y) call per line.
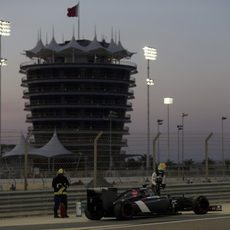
point(93, 215)
point(200, 205)
point(123, 211)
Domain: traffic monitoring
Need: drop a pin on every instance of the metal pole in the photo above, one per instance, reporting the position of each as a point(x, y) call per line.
point(4, 31)
point(179, 127)
point(206, 155)
point(168, 133)
point(150, 54)
point(25, 167)
point(110, 143)
point(0, 97)
point(159, 122)
point(222, 145)
point(182, 146)
point(26, 161)
point(178, 154)
point(158, 144)
point(112, 114)
point(154, 149)
point(95, 159)
point(148, 125)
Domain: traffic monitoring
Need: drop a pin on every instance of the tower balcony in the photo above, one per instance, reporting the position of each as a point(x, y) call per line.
point(58, 104)
point(50, 78)
point(74, 117)
point(78, 91)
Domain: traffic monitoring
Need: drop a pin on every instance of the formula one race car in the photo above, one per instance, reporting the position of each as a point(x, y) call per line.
point(106, 202)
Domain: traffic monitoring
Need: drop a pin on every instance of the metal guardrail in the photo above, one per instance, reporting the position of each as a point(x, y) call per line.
point(28, 203)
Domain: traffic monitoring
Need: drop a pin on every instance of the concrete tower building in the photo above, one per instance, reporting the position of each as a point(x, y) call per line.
point(79, 88)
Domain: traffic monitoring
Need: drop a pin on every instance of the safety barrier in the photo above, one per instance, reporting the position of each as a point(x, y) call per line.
point(28, 203)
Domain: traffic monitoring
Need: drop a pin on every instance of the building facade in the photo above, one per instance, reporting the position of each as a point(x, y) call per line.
point(80, 88)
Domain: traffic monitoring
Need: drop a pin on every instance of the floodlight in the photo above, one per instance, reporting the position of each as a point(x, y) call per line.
point(3, 62)
point(150, 53)
point(149, 81)
point(168, 100)
point(4, 28)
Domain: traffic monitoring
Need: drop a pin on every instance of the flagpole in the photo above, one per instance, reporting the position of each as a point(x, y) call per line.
point(78, 20)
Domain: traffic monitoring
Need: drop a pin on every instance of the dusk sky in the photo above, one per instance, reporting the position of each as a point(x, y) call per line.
point(192, 38)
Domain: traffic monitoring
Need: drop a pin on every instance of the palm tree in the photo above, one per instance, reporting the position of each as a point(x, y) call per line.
point(210, 161)
point(188, 163)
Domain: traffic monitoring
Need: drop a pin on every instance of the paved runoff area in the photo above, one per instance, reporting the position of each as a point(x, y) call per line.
point(34, 220)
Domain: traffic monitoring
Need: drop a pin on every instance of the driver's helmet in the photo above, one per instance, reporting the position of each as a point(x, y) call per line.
point(161, 167)
point(60, 171)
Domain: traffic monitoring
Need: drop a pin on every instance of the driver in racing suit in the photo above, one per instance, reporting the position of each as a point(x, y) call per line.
point(158, 179)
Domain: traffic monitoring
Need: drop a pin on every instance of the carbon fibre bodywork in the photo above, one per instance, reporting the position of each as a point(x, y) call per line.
point(106, 202)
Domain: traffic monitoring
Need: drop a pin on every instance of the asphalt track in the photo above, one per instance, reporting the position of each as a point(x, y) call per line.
point(186, 221)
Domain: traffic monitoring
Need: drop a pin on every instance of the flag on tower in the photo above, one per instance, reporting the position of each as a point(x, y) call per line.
point(73, 11)
point(184, 114)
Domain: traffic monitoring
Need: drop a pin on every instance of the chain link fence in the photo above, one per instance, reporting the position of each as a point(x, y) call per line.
point(201, 158)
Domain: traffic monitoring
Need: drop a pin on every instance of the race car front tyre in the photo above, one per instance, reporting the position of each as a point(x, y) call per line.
point(200, 205)
point(123, 210)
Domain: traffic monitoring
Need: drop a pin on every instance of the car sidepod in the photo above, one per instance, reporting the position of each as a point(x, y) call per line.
point(155, 204)
point(142, 207)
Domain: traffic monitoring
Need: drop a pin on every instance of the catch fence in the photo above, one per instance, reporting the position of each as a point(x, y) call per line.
point(199, 156)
